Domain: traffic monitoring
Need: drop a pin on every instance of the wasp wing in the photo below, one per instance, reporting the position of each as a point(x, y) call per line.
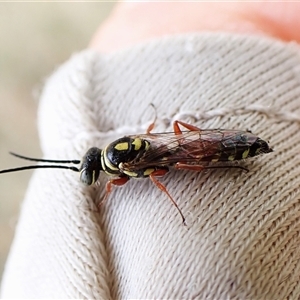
point(191, 147)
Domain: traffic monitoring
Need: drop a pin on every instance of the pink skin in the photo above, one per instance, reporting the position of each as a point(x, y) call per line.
point(132, 23)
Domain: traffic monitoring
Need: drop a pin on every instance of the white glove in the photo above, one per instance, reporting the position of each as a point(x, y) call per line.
point(242, 235)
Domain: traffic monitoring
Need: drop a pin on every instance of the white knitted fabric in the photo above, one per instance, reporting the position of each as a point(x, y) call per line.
point(242, 240)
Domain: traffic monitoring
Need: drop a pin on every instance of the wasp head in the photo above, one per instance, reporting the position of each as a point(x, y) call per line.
point(91, 166)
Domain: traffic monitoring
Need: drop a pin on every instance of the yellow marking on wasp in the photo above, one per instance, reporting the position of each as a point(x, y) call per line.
point(147, 172)
point(106, 163)
point(231, 157)
point(258, 151)
point(215, 158)
point(107, 171)
point(122, 146)
point(94, 177)
point(102, 161)
point(137, 143)
point(147, 145)
point(130, 173)
point(245, 153)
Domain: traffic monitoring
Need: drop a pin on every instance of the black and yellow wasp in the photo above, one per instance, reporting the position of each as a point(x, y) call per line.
point(152, 154)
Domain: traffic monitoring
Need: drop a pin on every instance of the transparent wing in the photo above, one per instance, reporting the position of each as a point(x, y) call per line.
point(191, 147)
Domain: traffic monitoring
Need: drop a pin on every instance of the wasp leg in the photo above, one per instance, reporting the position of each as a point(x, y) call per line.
point(163, 188)
point(227, 167)
point(177, 129)
point(151, 126)
point(108, 187)
point(197, 168)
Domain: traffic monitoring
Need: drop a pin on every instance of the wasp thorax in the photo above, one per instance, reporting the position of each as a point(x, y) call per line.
point(91, 166)
point(124, 150)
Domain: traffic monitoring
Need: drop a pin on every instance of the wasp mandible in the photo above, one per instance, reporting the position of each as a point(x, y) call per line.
point(151, 155)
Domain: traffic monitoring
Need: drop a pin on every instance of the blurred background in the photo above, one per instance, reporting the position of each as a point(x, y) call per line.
point(35, 39)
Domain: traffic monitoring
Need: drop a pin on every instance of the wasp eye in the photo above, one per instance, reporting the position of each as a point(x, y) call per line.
point(87, 177)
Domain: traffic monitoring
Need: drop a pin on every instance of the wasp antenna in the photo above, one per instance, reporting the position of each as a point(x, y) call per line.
point(39, 167)
point(46, 160)
point(151, 126)
point(155, 112)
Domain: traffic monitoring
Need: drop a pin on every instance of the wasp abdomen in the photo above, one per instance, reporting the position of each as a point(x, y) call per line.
point(239, 146)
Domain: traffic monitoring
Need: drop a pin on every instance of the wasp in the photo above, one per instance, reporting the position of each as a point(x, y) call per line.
point(151, 155)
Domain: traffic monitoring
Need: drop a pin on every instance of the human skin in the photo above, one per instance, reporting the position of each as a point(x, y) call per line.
point(132, 23)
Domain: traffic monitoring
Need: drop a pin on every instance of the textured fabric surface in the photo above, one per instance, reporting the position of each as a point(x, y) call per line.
point(242, 239)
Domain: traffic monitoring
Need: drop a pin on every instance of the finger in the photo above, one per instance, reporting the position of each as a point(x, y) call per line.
point(131, 23)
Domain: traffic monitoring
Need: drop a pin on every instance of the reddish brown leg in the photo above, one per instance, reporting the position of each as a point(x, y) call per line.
point(115, 181)
point(177, 129)
point(197, 168)
point(150, 128)
point(163, 188)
